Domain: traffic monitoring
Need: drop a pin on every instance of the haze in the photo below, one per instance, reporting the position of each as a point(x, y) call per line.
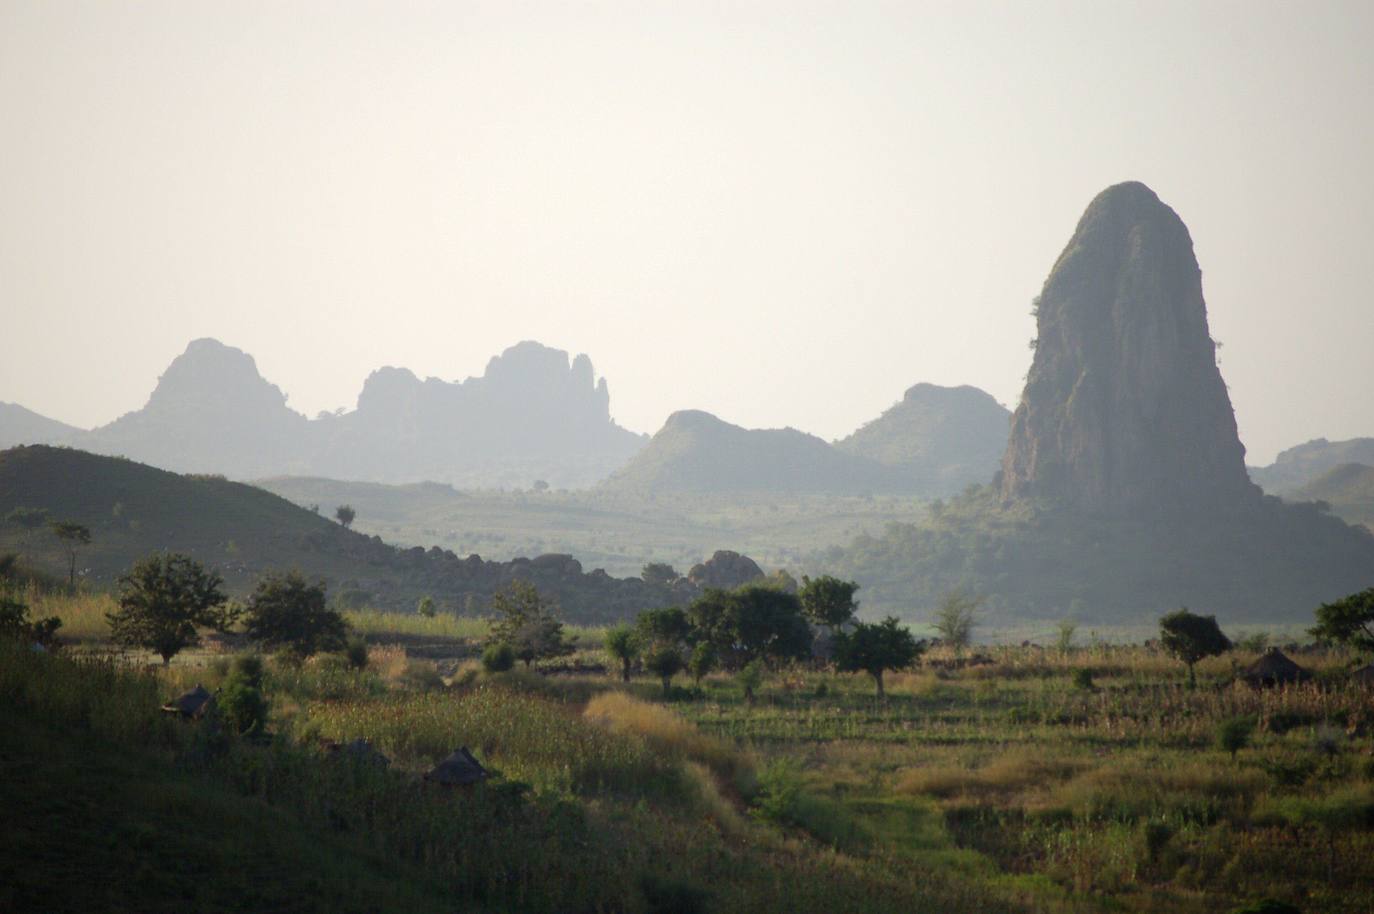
point(784, 214)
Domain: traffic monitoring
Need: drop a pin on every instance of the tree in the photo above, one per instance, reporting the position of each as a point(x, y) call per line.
point(345, 514)
point(753, 622)
point(666, 626)
point(665, 662)
point(623, 644)
point(71, 535)
point(1349, 620)
point(14, 623)
point(750, 677)
point(875, 648)
point(1067, 628)
point(288, 612)
point(28, 520)
point(659, 574)
point(702, 661)
point(1190, 638)
point(540, 486)
point(828, 601)
point(1233, 734)
point(956, 618)
point(163, 602)
point(528, 623)
point(425, 607)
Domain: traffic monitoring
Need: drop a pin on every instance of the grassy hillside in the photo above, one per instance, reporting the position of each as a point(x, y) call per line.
point(1347, 488)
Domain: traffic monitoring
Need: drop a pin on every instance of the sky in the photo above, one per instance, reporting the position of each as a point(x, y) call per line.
point(783, 213)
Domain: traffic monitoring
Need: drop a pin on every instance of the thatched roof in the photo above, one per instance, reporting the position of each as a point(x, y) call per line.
point(192, 704)
point(458, 770)
point(1274, 668)
point(1364, 676)
point(359, 750)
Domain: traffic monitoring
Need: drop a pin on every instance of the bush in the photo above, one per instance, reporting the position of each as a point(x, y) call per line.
point(1233, 735)
point(497, 658)
point(356, 653)
point(750, 678)
point(248, 668)
point(243, 706)
point(1157, 835)
point(1083, 679)
point(672, 896)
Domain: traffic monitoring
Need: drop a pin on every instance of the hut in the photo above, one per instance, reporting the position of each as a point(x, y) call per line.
point(191, 705)
point(1274, 669)
point(458, 770)
point(359, 750)
point(1364, 676)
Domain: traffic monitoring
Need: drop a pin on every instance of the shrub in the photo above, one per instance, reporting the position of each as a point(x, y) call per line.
point(497, 658)
point(248, 668)
point(672, 896)
point(750, 678)
point(1157, 835)
point(1233, 735)
point(1083, 679)
point(243, 706)
point(356, 653)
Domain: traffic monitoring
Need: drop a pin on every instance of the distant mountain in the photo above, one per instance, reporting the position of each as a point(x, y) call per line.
point(1300, 465)
point(532, 415)
point(1347, 488)
point(24, 426)
point(943, 438)
point(696, 452)
point(133, 510)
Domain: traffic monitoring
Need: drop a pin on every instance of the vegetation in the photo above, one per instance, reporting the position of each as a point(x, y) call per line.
point(876, 648)
point(956, 618)
point(528, 623)
point(345, 514)
point(1190, 638)
point(72, 536)
point(1348, 621)
point(828, 601)
point(164, 601)
point(288, 612)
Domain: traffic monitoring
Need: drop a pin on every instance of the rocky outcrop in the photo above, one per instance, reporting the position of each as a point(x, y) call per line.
point(1124, 411)
point(725, 570)
point(1300, 466)
point(941, 438)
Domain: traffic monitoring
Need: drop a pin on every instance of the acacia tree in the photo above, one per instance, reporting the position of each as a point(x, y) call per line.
point(828, 601)
point(345, 514)
point(1349, 621)
point(163, 602)
point(528, 623)
point(287, 611)
point(876, 648)
point(1190, 638)
point(71, 535)
point(957, 617)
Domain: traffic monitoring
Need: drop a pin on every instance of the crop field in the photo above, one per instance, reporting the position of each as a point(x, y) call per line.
point(1088, 779)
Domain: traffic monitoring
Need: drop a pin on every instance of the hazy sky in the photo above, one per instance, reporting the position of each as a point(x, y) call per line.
point(783, 213)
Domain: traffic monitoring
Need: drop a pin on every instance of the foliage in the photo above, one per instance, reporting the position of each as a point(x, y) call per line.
point(1083, 679)
point(1064, 639)
point(703, 661)
point(498, 657)
point(828, 601)
point(426, 606)
point(665, 662)
point(750, 677)
point(956, 618)
point(663, 627)
point(240, 698)
point(751, 623)
point(528, 623)
point(345, 515)
point(71, 535)
point(1189, 637)
point(659, 574)
point(287, 611)
point(1349, 620)
point(622, 643)
point(15, 623)
point(163, 601)
point(355, 652)
point(1233, 734)
point(875, 648)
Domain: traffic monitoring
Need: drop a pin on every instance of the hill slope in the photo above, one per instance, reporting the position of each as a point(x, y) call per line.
point(1297, 466)
point(133, 510)
point(943, 438)
point(696, 452)
point(24, 426)
point(1347, 488)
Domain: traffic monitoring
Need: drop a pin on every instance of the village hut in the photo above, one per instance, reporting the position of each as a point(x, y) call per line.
point(1274, 669)
point(359, 750)
point(458, 770)
point(191, 705)
point(1364, 676)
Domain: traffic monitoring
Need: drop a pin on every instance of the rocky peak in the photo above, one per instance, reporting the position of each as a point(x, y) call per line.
point(214, 377)
point(1124, 410)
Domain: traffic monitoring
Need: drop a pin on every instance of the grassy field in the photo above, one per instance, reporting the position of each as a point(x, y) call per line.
point(1088, 780)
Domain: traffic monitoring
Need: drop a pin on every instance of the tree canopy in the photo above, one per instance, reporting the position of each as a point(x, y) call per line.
point(287, 611)
point(876, 648)
point(828, 601)
point(754, 622)
point(1190, 638)
point(528, 623)
point(1349, 620)
point(163, 602)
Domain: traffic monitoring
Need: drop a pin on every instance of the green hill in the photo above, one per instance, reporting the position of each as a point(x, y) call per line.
point(242, 531)
point(1347, 488)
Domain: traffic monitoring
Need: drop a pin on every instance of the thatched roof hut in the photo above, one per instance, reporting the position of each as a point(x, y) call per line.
point(1273, 669)
point(458, 770)
point(359, 750)
point(191, 705)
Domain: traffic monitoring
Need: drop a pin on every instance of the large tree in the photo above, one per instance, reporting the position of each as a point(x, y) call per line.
point(754, 622)
point(1349, 620)
point(287, 611)
point(528, 623)
point(345, 514)
point(956, 617)
point(71, 535)
point(1190, 637)
point(876, 648)
point(828, 601)
point(164, 601)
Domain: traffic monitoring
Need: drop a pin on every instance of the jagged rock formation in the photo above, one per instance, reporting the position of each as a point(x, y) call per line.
point(1124, 411)
point(696, 452)
point(942, 438)
point(532, 415)
point(1299, 466)
point(24, 426)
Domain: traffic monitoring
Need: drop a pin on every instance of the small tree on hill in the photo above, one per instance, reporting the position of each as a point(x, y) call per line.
point(1349, 621)
point(528, 623)
point(71, 535)
point(164, 601)
point(828, 601)
point(345, 514)
point(1190, 637)
point(957, 617)
point(623, 644)
point(288, 612)
point(876, 648)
